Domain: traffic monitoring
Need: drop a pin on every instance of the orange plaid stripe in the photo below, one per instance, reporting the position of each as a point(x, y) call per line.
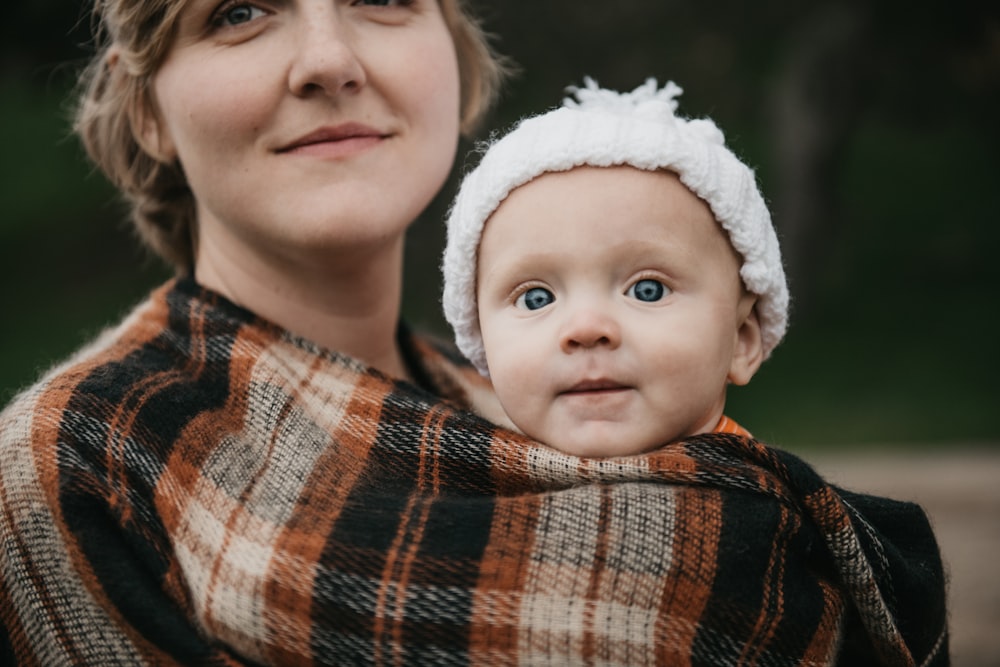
point(200, 487)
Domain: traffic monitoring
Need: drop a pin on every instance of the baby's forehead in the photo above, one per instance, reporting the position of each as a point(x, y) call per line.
point(598, 208)
point(619, 187)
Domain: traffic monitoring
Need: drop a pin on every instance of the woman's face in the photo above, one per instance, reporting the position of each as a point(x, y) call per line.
point(308, 125)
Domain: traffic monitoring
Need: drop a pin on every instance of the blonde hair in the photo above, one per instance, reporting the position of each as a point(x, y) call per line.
point(114, 100)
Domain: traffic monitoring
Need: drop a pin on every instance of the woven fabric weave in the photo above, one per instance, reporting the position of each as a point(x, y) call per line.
point(201, 487)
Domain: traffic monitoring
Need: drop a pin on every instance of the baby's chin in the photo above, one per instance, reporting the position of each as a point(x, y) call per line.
point(604, 443)
point(632, 436)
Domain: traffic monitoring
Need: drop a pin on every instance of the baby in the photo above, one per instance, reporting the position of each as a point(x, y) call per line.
point(612, 268)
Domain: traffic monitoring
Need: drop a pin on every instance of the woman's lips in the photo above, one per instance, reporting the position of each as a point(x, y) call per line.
point(336, 141)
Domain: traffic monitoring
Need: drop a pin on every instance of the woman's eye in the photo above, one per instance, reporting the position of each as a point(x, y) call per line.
point(647, 290)
point(535, 298)
point(237, 14)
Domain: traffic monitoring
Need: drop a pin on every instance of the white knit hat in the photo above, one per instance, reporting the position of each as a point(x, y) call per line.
point(604, 128)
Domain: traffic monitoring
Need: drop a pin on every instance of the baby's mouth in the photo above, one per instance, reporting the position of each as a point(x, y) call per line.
point(595, 387)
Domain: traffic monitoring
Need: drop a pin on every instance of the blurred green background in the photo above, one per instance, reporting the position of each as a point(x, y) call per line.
point(873, 127)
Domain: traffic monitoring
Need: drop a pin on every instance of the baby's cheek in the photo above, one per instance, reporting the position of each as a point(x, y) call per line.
point(519, 392)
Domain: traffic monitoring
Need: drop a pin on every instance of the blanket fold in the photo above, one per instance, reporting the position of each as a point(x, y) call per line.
point(199, 486)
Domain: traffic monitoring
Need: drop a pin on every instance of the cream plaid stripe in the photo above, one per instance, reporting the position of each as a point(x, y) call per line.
point(200, 487)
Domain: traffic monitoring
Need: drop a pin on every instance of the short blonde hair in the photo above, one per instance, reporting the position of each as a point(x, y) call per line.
point(114, 100)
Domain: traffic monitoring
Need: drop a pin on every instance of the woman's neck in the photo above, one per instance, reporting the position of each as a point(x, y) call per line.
point(348, 302)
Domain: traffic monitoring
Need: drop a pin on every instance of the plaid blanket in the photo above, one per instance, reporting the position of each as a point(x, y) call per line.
point(201, 487)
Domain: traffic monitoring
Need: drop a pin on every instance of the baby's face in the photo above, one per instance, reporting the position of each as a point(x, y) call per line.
point(612, 311)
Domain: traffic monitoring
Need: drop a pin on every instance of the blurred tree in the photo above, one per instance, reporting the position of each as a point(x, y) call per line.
point(819, 92)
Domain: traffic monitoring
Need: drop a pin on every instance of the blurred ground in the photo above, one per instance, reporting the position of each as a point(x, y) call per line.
point(960, 490)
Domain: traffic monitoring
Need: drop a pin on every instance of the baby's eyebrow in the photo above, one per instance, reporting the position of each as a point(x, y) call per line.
point(505, 275)
point(529, 262)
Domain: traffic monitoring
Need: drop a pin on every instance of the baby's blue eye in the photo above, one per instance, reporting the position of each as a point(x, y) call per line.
point(647, 290)
point(535, 298)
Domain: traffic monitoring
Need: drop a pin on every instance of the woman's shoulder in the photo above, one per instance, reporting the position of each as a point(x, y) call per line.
point(159, 344)
point(115, 344)
point(56, 434)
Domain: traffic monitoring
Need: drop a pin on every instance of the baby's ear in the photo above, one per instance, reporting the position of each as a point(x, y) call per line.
point(748, 350)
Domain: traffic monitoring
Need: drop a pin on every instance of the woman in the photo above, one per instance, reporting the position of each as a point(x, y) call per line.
point(356, 103)
point(260, 466)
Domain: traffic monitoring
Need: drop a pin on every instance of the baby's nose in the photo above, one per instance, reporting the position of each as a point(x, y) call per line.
point(590, 327)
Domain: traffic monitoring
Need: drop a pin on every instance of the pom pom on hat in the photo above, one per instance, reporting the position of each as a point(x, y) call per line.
point(602, 128)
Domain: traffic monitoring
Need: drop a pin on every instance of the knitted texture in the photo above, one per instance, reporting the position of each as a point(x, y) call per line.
point(201, 487)
point(604, 128)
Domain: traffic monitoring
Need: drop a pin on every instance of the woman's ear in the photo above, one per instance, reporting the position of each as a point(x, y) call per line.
point(748, 351)
point(147, 127)
point(150, 132)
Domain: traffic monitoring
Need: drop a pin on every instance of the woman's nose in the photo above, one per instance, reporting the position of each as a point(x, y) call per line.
point(326, 59)
point(590, 327)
